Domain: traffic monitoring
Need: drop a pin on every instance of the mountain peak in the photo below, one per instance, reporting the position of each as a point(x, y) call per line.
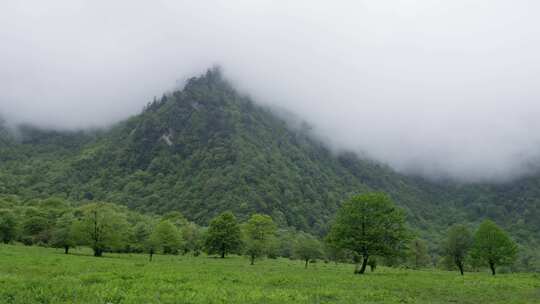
point(207, 149)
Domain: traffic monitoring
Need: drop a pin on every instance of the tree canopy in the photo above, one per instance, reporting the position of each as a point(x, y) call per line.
point(223, 235)
point(307, 248)
point(101, 227)
point(259, 234)
point(492, 246)
point(370, 225)
point(457, 245)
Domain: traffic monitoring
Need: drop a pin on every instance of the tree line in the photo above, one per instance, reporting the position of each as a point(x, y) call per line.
point(371, 226)
point(106, 227)
point(368, 230)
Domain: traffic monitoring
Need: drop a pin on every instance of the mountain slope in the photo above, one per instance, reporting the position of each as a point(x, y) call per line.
point(207, 149)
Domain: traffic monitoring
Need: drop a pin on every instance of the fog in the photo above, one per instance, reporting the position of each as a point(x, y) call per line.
point(444, 89)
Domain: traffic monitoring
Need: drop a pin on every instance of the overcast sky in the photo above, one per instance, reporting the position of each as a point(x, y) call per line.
point(439, 88)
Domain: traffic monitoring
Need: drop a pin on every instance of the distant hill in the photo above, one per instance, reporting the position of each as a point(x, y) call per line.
point(207, 148)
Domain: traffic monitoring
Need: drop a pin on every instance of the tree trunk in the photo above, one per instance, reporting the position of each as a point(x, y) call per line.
point(151, 255)
point(307, 261)
point(222, 252)
point(252, 259)
point(363, 267)
point(460, 266)
point(98, 252)
point(66, 249)
point(492, 266)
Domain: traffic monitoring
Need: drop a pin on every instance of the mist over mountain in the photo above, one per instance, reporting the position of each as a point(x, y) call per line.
point(433, 88)
point(209, 148)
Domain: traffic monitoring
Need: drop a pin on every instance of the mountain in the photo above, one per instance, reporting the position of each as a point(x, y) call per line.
point(5, 134)
point(208, 148)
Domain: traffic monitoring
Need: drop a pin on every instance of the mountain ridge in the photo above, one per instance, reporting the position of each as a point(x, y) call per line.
point(208, 148)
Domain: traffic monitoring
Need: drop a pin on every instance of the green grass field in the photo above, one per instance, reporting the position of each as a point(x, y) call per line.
point(42, 275)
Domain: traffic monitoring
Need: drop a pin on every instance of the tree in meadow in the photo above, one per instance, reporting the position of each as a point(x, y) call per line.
point(101, 227)
point(63, 235)
point(369, 225)
point(457, 245)
point(192, 236)
point(418, 253)
point(493, 247)
point(166, 237)
point(141, 234)
point(307, 248)
point(259, 236)
point(36, 228)
point(224, 235)
point(8, 226)
point(286, 241)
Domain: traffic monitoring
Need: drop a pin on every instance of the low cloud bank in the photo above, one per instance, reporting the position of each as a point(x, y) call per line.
point(437, 88)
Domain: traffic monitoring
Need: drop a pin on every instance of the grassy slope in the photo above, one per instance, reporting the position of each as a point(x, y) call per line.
point(40, 275)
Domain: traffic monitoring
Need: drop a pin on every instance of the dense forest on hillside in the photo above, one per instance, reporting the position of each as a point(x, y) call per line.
point(207, 148)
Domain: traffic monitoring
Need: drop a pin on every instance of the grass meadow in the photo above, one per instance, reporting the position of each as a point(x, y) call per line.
point(45, 275)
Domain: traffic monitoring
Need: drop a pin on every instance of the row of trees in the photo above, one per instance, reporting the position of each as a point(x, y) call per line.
point(111, 228)
point(371, 225)
point(368, 229)
point(490, 246)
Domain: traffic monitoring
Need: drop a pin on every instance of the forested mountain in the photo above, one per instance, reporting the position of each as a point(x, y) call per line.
point(207, 148)
point(5, 136)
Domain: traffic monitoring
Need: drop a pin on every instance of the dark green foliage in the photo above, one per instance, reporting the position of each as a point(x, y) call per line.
point(337, 254)
point(63, 234)
point(457, 245)
point(35, 228)
point(372, 263)
point(259, 236)
point(8, 226)
point(141, 236)
point(418, 254)
point(286, 240)
point(493, 247)
point(176, 218)
point(370, 225)
point(223, 235)
point(193, 239)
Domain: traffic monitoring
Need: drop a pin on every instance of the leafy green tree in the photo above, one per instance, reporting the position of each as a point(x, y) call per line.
point(192, 236)
point(307, 248)
point(8, 226)
point(492, 246)
point(35, 229)
point(63, 235)
point(177, 218)
point(457, 245)
point(101, 227)
point(141, 234)
point(167, 237)
point(152, 245)
point(418, 253)
point(370, 224)
point(286, 241)
point(223, 235)
point(259, 233)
